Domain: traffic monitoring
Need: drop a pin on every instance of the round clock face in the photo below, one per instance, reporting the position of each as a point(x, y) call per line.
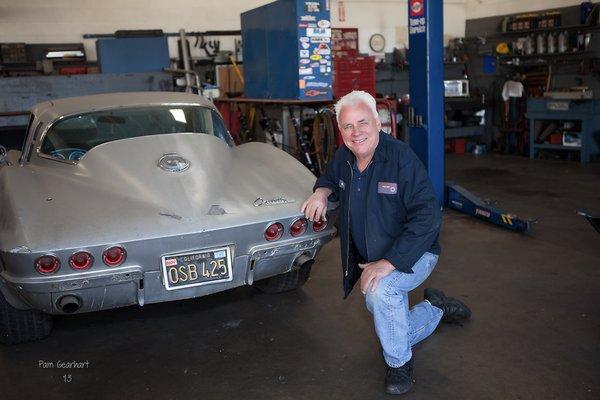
point(377, 42)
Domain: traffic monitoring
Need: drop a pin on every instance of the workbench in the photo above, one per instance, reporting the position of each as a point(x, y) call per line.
point(585, 111)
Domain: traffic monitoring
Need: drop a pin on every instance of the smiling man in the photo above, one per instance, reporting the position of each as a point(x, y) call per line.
point(389, 226)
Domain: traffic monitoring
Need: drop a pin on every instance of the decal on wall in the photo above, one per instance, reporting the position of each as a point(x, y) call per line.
point(312, 6)
point(318, 32)
point(320, 39)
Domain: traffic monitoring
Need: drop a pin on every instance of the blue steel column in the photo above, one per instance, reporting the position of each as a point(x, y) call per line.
point(426, 77)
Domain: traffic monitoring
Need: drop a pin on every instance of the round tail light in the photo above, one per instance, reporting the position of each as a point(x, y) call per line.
point(81, 260)
point(274, 232)
point(114, 256)
point(298, 227)
point(47, 264)
point(318, 226)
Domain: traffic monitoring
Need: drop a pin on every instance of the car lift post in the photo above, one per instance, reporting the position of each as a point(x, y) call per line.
point(426, 113)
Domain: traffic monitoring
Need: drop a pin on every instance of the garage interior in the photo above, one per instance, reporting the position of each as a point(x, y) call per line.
point(521, 124)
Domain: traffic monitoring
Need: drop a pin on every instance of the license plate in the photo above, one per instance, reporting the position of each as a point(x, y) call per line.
point(197, 268)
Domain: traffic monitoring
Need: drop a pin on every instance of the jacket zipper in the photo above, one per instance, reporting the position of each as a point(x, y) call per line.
point(348, 219)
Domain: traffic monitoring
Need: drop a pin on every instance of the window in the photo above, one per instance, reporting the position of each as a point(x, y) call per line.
point(72, 137)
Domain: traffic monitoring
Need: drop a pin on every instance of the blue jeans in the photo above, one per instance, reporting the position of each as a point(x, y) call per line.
point(397, 327)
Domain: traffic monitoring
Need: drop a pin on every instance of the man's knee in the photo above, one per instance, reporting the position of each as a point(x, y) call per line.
point(382, 296)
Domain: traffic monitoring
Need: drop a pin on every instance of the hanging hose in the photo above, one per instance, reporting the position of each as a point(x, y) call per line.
point(323, 136)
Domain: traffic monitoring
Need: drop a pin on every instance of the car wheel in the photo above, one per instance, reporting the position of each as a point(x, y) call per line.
point(286, 282)
point(20, 326)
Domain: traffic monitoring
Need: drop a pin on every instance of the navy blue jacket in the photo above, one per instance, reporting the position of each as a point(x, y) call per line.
point(403, 217)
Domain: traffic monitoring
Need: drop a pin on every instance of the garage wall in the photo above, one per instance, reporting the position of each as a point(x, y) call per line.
point(59, 21)
point(488, 8)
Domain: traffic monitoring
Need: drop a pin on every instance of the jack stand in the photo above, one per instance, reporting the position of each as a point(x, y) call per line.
point(460, 199)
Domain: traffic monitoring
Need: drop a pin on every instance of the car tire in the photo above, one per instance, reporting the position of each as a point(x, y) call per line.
point(20, 326)
point(285, 282)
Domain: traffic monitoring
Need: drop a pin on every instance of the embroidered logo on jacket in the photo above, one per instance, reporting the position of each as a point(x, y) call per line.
point(387, 187)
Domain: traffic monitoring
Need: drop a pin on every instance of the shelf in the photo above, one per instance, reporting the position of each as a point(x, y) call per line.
point(568, 53)
point(555, 147)
point(465, 131)
point(582, 28)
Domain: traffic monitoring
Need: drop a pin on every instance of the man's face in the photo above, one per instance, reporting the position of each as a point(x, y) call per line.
point(360, 129)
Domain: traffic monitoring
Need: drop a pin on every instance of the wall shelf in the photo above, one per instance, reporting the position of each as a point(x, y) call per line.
point(571, 28)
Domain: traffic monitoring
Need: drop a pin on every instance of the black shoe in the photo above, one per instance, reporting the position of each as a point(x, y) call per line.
point(399, 380)
point(455, 311)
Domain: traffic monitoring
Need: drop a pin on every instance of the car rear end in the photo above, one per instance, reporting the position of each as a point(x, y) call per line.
point(111, 275)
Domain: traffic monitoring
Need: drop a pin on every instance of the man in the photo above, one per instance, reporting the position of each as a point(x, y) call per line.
point(389, 224)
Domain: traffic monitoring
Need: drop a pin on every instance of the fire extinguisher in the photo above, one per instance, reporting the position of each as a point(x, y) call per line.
point(341, 11)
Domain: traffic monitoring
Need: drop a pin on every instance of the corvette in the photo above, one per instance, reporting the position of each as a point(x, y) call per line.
point(134, 198)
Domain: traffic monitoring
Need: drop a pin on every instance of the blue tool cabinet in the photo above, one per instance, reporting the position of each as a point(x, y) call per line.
point(287, 50)
point(586, 111)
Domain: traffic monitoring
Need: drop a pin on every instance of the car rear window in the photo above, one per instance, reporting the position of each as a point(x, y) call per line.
point(73, 136)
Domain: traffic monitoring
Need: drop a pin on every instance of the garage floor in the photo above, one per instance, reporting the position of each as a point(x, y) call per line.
point(535, 332)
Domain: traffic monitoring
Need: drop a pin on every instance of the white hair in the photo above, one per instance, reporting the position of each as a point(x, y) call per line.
point(352, 99)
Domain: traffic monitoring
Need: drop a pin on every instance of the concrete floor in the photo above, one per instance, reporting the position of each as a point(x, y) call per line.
point(534, 334)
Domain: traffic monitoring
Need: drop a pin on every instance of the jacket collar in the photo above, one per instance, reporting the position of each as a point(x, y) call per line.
point(380, 151)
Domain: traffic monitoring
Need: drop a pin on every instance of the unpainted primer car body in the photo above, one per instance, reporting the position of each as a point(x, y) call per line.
point(207, 195)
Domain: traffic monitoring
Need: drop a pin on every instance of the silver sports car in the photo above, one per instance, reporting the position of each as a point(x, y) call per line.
point(134, 198)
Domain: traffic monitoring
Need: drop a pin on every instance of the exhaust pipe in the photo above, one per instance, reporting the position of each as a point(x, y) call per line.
point(303, 262)
point(69, 304)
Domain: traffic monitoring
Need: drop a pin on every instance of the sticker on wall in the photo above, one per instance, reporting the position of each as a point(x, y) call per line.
point(315, 65)
point(318, 32)
point(315, 57)
point(324, 23)
point(309, 78)
point(317, 84)
point(322, 49)
point(305, 71)
point(302, 25)
point(308, 18)
point(320, 39)
point(328, 69)
point(323, 61)
point(323, 68)
point(304, 39)
point(417, 8)
point(304, 54)
point(315, 93)
point(301, 83)
point(304, 61)
point(312, 6)
point(305, 45)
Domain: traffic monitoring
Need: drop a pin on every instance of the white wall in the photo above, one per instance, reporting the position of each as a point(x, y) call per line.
point(390, 18)
point(59, 21)
point(46, 21)
point(489, 8)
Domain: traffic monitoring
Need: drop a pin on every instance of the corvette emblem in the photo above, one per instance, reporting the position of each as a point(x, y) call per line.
point(173, 163)
point(271, 202)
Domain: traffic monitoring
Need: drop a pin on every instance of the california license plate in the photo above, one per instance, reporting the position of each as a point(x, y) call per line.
point(197, 268)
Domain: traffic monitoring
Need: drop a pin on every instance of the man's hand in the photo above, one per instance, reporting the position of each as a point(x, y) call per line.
point(373, 272)
point(315, 207)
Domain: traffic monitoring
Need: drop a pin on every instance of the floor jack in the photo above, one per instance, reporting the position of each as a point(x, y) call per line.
point(460, 199)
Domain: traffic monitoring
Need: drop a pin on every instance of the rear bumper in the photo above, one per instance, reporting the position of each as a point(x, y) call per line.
point(136, 284)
